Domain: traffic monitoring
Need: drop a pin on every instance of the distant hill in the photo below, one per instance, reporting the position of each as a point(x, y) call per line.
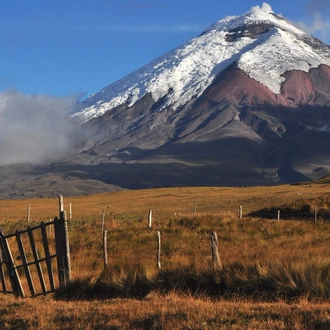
point(324, 180)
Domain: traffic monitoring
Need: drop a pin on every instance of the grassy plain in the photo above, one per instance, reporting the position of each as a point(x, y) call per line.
point(276, 274)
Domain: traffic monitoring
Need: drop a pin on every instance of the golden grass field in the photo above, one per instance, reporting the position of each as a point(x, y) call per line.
point(167, 201)
point(279, 268)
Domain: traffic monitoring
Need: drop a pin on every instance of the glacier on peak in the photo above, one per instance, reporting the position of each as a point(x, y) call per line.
point(271, 47)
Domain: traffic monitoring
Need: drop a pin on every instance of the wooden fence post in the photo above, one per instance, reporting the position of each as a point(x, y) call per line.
point(241, 212)
point(150, 219)
point(217, 265)
point(61, 204)
point(70, 212)
point(315, 212)
point(278, 215)
point(105, 249)
point(62, 247)
point(159, 248)
point(195, 210)
point(103, 216)
point(28, 213)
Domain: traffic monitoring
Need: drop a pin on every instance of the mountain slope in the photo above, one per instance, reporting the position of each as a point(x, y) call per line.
point(263, 45)
point(247, 101)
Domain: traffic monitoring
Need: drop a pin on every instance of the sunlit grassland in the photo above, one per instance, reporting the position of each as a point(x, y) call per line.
point(275, 275)
point(166, 201)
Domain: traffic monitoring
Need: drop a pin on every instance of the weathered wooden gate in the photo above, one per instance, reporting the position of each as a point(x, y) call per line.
point(31, 259)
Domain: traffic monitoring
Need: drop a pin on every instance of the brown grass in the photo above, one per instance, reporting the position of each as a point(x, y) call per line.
point(253, 250)
point(167, 201)
point(161, 312)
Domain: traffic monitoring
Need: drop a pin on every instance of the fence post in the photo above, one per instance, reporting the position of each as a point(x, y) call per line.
point(195, 210)
point(103, 216)
point(150, 219)
point(70, 213)
point(215, 253)
point(159, 248)
point(278, 215)
point(315, 212)
point(28, 213)
point(61, 204)
point(241, 212)
point(105, 249)
point(62, 246)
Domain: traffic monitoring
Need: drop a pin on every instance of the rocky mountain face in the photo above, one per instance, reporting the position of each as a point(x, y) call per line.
point(245, 103)
point(236, 132)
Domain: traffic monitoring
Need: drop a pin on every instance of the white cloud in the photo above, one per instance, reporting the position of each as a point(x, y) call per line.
point(265, 8)
point(318, 27)
point(159, 28)
point(170, 28)
point(34, 128)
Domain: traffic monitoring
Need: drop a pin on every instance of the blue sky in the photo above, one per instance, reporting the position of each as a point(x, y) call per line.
point(77, 47)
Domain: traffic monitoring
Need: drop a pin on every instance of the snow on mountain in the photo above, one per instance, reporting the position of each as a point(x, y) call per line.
point(263, 44)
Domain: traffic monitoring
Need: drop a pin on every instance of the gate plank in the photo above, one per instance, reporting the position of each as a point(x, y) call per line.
point(48, 258)
point(12, 270)
point(2, 274)
point(37, 261)
point(24, 261)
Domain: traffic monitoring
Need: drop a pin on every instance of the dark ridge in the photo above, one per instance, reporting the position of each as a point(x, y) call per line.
point(314, 42)
point(203, 33)
point(322, 180)
point(278, 17)
point(250, 31)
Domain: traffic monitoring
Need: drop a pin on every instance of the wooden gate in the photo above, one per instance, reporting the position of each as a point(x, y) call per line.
point(36, 259)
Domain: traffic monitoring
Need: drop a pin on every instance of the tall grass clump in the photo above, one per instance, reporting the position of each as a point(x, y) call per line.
point(266, 282)
point(128, 282)
point(271, 281)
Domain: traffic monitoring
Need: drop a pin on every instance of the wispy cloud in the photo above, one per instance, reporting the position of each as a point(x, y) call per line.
point(34, 128)
point(318, 26)
point(159, 28)
point(318, 23)
point(153, 28)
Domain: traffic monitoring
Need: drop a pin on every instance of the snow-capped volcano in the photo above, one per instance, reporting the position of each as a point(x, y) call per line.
point(245, 102)
point(260, 43)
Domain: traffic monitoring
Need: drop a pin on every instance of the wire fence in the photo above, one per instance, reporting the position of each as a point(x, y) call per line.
point(304, 213)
